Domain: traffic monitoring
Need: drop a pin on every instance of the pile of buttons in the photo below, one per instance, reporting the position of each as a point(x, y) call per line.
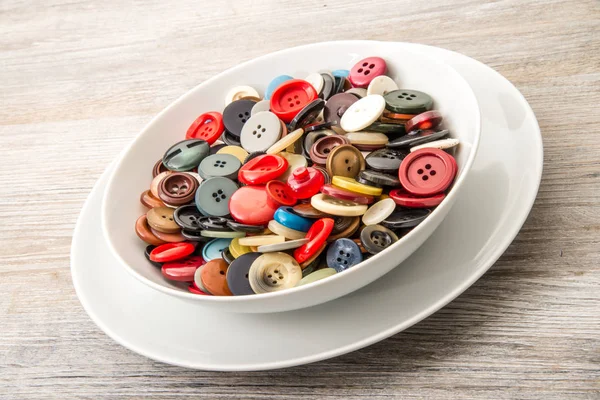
point(307, 182)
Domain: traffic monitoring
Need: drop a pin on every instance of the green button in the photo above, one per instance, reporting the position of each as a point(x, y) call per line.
point(405, 101)
point(225, 165)
point(186, 155)
point(212, 197)
point(316, 276)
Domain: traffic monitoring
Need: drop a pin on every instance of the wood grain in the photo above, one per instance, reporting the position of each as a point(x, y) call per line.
point(80, 79)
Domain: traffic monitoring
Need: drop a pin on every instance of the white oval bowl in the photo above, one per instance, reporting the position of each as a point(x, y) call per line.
point(132, 174)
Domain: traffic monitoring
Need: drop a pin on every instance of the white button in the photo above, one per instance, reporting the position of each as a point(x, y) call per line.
point(379, 211)
point(274, 271)
point(261, 240)
point(316, 80)
point(284, 231)
point(263, 105)
point(239, 92)
point(285, 141)
point(381, 85)
point(260, 132)
point(334, 206)
point(363, 113)
point(367, 138)
point(290, 244)
point(438, 144)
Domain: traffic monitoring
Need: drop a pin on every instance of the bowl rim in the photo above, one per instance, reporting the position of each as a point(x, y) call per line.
point(247, 299)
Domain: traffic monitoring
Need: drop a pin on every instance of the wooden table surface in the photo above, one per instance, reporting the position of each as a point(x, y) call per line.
point(81, 78)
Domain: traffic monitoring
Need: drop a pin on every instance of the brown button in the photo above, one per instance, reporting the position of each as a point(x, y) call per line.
point(401, 117)
point(168, 237)
point(360, 245)
point(322, 147)
point(345, 160)
point(177, 188)
point(308, 211)
point(347, 232)
point(158, 168)
point(161, 219)
point(156, 182)
point(148, 200)
point(214, 277)
point(143, 231)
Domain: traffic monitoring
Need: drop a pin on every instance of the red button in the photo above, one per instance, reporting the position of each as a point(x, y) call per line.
point(427, 120)
point(405, 199)
point(316, 235)
point(281, 194)
point(208, 126)
point(426, 172)
point(171, 252)
point(194, 289)
point(365, 70)
point(182, 270)
point(344, 194)
point(251, 205)
point(262, 169)
point(306, 182)
point(291, 97)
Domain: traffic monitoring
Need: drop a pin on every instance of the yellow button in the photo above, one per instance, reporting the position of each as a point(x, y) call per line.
point(237, 249)
point(351, 184)
point(236, 151)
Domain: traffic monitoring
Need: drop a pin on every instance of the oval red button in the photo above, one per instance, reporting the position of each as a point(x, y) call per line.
point(171, 252)
point(317, 235)
point(281, 194)
point(406, 199)
point(427, 172)
point(208, 126)
point(291, 97)
point(262, 169)
point(251, 205)
point(182, 270)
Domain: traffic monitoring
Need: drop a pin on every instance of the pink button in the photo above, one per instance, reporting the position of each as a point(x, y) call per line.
point(365, 70)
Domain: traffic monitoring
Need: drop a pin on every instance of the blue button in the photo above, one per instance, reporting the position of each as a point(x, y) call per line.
point(341, 73)
point(214, 248)
point(275, 83)
point(343, 254)
point(286, 217)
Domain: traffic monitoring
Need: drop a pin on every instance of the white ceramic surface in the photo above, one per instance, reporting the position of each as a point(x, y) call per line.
point(411, 69)
point(488, 214)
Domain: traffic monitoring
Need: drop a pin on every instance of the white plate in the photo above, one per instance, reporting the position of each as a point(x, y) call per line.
point(488, 214)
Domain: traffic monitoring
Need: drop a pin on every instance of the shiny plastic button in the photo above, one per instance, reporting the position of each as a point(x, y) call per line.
point(335, 206)
point(362, 113)
point(427, 172)
point(343, 254)
point(427, 120)
point(238, 274)
point(240, 92)
point(182, 270)
point(186, 155)
point(251, 205)
point(262, 169)
point(161, 219)
point(406, 199)
point(219, 165)
point(317, 235)
point(308, 114)
point(235, 115)
point(344, 194)
point(443, 144)
point(364, 71)
point(345, 160)
point(208, 126)
point(171, 252)
point(274, 271)
point(260, 132)
point(352, 185)
point(376, 238)
point(379, 178)
point(212, 197)
point(305, 182)
point(379, 211)
point(275, 83)
point(286, 217)
point(291, 97)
